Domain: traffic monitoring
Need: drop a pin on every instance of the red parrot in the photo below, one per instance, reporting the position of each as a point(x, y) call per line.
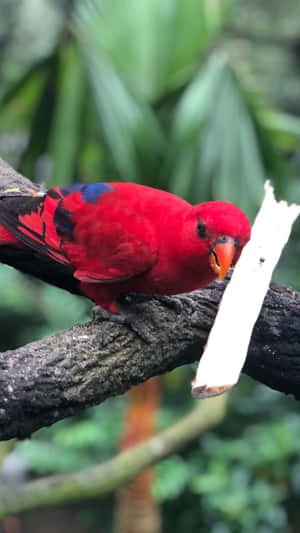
point(107, 239)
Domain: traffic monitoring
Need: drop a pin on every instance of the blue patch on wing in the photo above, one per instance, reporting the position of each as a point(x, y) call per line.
point(91, 193)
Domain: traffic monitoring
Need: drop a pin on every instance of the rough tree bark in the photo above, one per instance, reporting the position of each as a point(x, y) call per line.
point(55, 377)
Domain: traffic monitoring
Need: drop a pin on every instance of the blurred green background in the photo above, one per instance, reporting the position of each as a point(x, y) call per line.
point(198, 97)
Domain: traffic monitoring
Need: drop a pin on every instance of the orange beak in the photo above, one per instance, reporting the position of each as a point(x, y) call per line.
point(221, 256)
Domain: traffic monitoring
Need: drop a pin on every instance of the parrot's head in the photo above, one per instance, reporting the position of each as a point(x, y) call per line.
point(218, 230)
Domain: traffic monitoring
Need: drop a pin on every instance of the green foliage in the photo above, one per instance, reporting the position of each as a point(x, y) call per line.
point(214, 150)
point(129, 127)
point(242, 480)
point(154, 46)
point(65, 136)
point(77, 443)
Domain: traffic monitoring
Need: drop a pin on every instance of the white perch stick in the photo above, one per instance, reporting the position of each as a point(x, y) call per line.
point(226, 349)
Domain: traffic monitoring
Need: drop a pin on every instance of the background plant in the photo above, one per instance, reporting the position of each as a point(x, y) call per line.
point(200, 98)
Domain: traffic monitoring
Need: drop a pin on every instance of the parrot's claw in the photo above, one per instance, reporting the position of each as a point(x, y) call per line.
point(171, 302)
point(176, 303)
point(126, 317)
point(98, 313)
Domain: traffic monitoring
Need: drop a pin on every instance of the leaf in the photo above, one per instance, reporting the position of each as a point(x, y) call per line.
point(64, 142)
point(154, 45)
point(285, 128)
point(41, 120)
point(214, 120)
point(191, 126)
point(128, 124)
point(172, 477)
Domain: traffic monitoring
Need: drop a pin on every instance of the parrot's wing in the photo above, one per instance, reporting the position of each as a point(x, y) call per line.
point(31, 220)
point(103, 236)
point(85, 227)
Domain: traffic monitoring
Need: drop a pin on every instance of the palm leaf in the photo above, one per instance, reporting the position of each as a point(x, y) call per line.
point(65, 132)
point(214, 118)
point(128, 125)
point(154, 45)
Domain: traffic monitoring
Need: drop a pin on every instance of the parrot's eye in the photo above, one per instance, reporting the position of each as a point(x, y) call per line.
point(201, 229)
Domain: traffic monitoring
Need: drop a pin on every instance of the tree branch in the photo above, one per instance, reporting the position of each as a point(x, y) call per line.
point(55, 377)
point(103, 479)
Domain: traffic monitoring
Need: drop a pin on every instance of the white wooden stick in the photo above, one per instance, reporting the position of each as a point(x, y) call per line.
point(226, 349)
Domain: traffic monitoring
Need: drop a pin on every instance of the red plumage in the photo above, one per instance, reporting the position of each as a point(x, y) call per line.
point(103, 240)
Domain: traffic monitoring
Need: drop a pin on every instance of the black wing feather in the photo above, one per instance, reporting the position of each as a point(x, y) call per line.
point(13, 208)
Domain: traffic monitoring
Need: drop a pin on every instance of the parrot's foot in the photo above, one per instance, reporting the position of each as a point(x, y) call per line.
point(128, 317)
point(177, 302)
point(98, 313)
point(132, 313)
